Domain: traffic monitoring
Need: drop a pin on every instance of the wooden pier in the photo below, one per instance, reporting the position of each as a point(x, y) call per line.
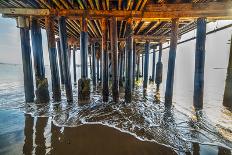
point(118, 36)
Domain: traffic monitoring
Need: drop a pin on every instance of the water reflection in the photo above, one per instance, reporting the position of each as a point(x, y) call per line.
point(40, 125)
point(97, 139)
point(28, 132)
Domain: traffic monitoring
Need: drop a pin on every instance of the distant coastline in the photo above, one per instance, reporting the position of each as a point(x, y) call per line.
point(4, 63)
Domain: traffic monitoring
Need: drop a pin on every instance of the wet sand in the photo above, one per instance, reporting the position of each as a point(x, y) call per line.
point(103, 140)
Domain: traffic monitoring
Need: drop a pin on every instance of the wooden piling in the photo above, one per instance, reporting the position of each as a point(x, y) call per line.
point(227, 99)
point(26, 59)
point(159, 67)
point(105, 63)
point(153, 65)
point(98, 70)
point(42, 94)
point(129, 62)
point(64, 56)
point(93, 52)
point(146, 64)
point(134, 65)
point(60, 62)
point(138, 66)
point(55, 78)
point(199, 64)
point(114, 51)
point(171, 63)
point(74, 65)
point(142, 64)
point(84, 82)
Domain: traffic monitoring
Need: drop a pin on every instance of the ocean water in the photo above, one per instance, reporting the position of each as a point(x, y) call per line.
point(143, 126)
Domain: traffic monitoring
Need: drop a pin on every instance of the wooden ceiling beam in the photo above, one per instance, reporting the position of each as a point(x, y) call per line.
point(212, 10)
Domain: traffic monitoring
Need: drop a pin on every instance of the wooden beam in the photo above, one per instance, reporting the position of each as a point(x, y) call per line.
point(153, 12)
point(25, 11)
point(139, 38)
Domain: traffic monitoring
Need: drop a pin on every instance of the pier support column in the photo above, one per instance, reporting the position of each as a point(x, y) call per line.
point(171, 63)
point(142, 65)
point(23, 24)
point(153, 65)
point(74, 65)
point(64, 56)
point(60, 62)
point(199, 64)
point(98, 70)
point(42, 94)
point(121, 66)
point(134, 65)
point(159, 67)
point(84, 82)
point(146, 64)
point(105, 63)
point(55, 78)
point(138, 67)
point(227, 100)
point(93, 52)
point(129, 62)
point(114, 51)
point(120, 57)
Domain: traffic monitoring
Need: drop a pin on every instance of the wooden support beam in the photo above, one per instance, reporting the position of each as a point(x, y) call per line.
point(105, 63)
point(129, 63)
point(199, 64)
point(146, 65)
point(26, 60)
point(140, 38)
point(64, 56)
point(55, 78)
point(171, 64)
point(152, 12)
point(227, 98)
point(42, 93)
point(114, 50)
point(25, 11)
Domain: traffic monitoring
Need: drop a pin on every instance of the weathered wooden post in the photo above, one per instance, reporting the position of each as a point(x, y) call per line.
point(84, 82)
point(60, 62)
point(199, 64)
point(159, 67)
point(105, 63)
point(129, 63)
point(227, 100)
point(23, 24)
point(100, 59)
point(146, 64)
point(114, 51)
point(120, 53)
point(74, 65)
point(153, 65)
point(42, 94)
point(98, 70)
point(134, 65)
point(171, 63)
point(138, 66)
point(93, 52)
point(64, 56)
point(121, 69)
point(55, 78)
point(142, 64)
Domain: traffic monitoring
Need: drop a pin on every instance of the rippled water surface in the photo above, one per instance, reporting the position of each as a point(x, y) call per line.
point(144, 123)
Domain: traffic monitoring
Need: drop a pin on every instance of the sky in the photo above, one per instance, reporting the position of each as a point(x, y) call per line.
point(10, 44)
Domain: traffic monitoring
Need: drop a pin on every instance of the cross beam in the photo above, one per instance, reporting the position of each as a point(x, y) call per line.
point(152, 12)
